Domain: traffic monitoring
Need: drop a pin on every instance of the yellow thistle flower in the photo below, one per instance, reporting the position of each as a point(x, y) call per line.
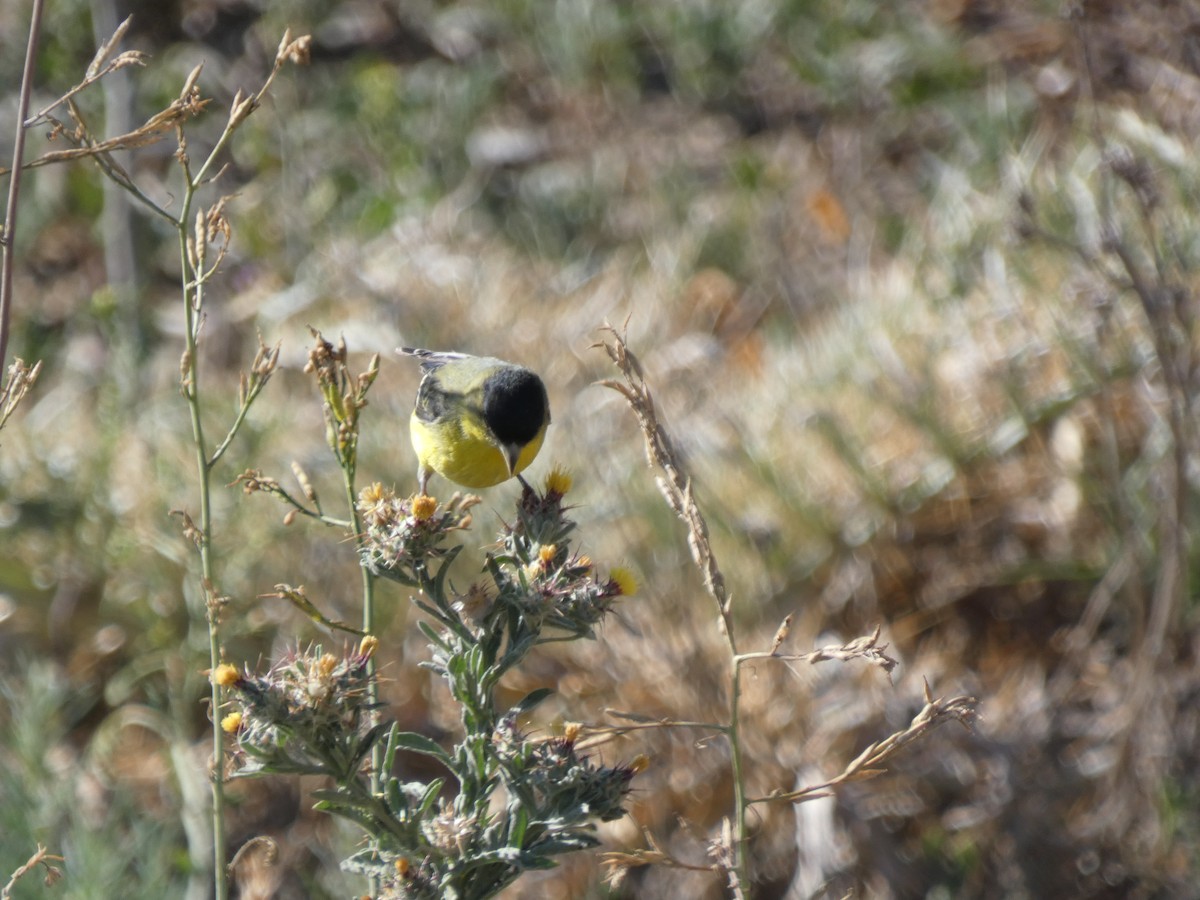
point(639, 764)
point(571, 731)
point(559, 481)
point(423, 507)
point(226, 675)
point(326, 664)
point(623, 580)
point(231, 722)
point(542, 563)
point(368, 645)
point(372, 494)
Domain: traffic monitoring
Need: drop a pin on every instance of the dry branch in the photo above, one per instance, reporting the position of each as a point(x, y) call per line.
point(867, 764)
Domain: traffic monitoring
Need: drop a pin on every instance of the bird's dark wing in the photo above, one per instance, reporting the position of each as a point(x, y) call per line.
point(434, 402)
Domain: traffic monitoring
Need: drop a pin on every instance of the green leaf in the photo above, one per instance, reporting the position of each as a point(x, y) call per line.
point(531, 700)
point(418, 743)
point(428, 609)
point(361, 819)
point(538, 862)
point(517, 836)
point(389, 751)
point(431, 795)
point(565, 844)
point(366, 862)
point(366, 742)
point(439, 580)
point(306, 606)
point(427, 630)
point(397, 802)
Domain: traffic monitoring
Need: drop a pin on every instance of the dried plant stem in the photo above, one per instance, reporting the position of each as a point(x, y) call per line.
point(344, 396)
point(376, 776)
point(193, 298)
point(867, 764)
point(41, 857)
point(7, 239)
point(197, 270)
point(14, 385)
point(211, 229)
point(729, 851)
point(1168, 306)
point(676, 488)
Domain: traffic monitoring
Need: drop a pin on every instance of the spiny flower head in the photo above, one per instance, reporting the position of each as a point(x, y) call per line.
point(289, 718)
point(409, 881)
point(449, 831)
point(543, 561)
point(371, 497)
point(572, 785)
point(423, 507)
point(226, 675)
point(474, 604)
point(622, 581)
point(562, 591)
point(367, 646)
point(559, 481)
point(541, 518)
point(569, 786)
point(402, 533)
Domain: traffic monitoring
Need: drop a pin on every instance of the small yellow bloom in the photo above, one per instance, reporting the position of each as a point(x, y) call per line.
point(558, 481)
point(231, 722)
point(372, 494)
point(226, 675)
point(423, 507)
point(402, 866)
point(639, 764)
point(542, 563)
point(623, 580)
point(368, 645)
point(326, 664)
point(571, 731)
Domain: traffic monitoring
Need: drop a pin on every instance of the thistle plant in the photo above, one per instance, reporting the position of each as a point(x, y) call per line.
point(305, 715)
point(509, 801)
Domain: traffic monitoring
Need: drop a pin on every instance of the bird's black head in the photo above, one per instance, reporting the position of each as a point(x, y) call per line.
point(515, 406)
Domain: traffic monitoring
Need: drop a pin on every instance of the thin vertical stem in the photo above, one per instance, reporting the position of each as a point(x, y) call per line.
point(735, 764)
point(193, 295)
point(368, 626)
point(676, 488)
point(7, 239)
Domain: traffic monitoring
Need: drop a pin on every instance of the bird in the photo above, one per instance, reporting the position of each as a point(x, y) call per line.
point(478, 421)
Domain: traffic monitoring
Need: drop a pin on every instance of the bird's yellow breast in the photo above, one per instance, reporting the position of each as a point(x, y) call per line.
point(461, 450)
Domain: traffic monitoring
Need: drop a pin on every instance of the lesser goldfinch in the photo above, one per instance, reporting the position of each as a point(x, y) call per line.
point(478, 421)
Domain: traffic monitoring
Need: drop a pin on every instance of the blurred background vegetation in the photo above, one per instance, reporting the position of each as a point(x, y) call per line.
point(875, 259)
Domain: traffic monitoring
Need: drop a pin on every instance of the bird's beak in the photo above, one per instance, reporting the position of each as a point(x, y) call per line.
point(511, 453)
